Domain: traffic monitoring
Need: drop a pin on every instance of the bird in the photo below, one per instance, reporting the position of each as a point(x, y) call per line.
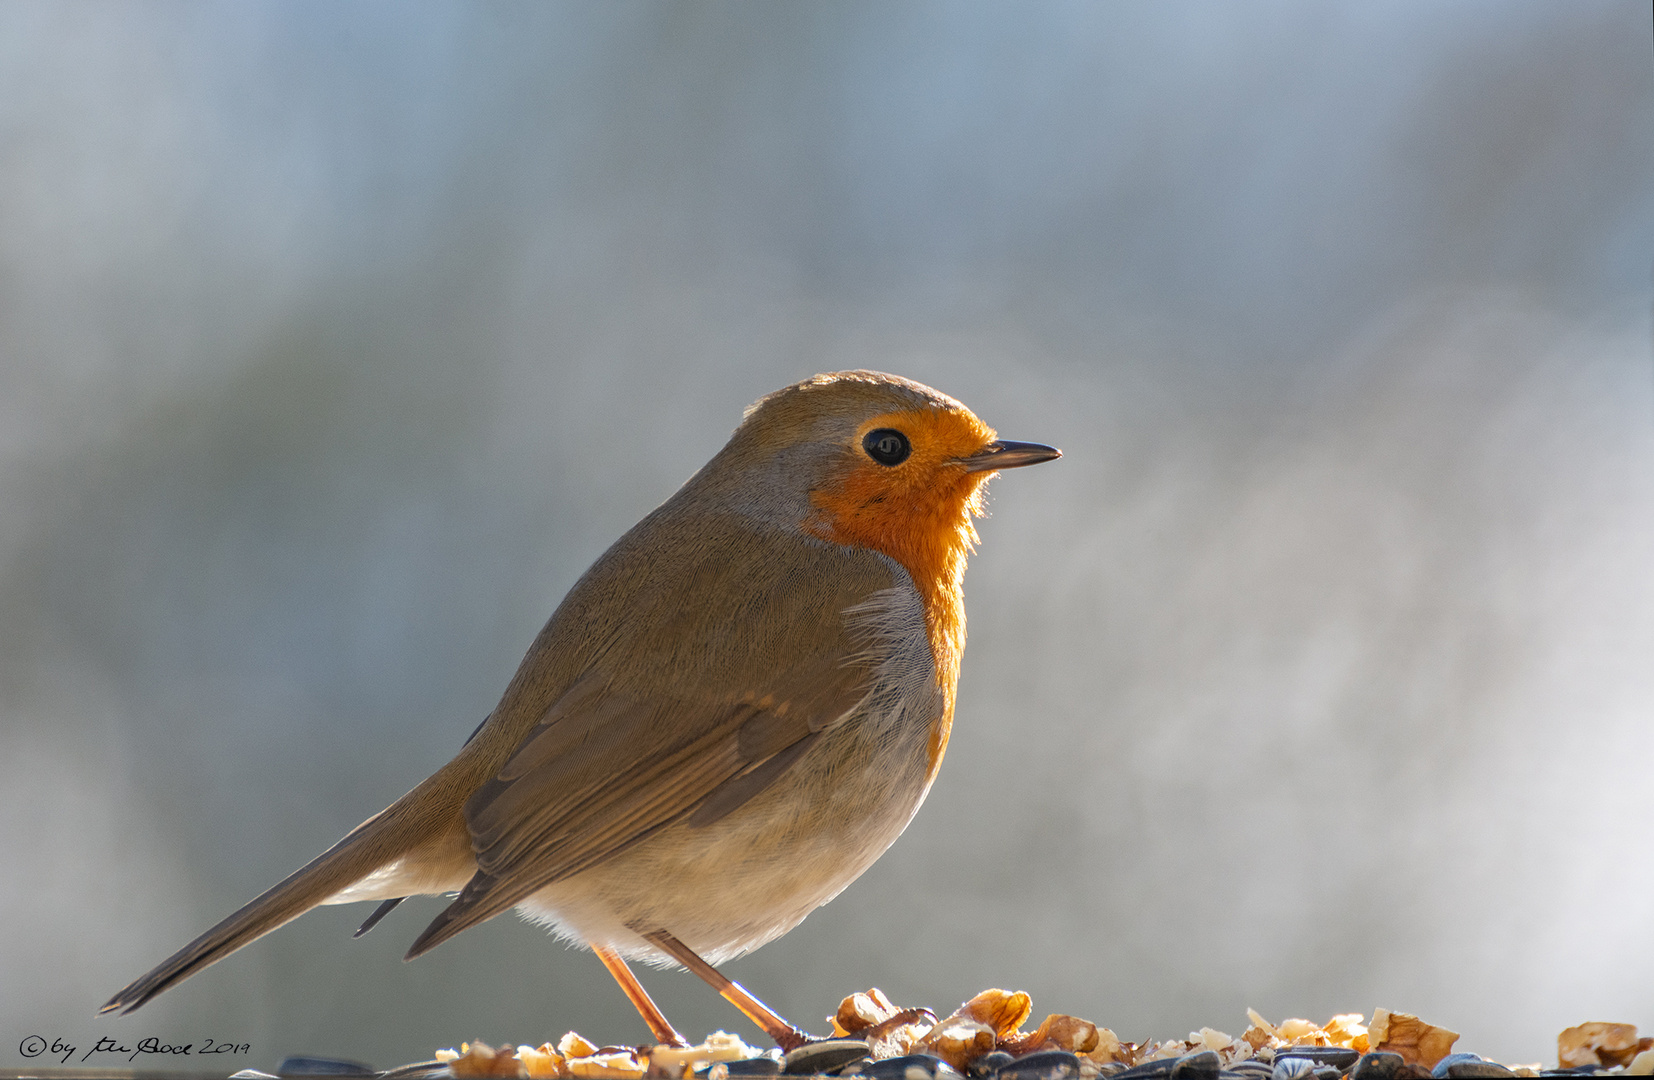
point(731, 715)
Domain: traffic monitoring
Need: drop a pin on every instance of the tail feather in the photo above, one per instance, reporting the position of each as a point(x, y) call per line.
point(478, 901)
point(369, 846)
point(378, 913)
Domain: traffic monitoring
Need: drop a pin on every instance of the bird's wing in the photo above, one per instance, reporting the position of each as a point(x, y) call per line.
point(603, 770)
point(611, 762)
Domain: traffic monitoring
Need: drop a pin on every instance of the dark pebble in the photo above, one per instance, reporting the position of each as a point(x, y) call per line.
point(1339, 1057)
point(911, 1067)
point(1470, 1067)
point(813, 1059)
point(419, 1070)
point(1148, 1070)
point(320, 1066)
point(1042, 1065)
point(1202, 1066)
point(1293, 1068)
point(988, 1064)
point(1379, 1065)
point(758, 1066)
point(857, 1067)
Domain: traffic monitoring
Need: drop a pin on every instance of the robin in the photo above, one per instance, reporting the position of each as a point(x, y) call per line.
point(731, 715)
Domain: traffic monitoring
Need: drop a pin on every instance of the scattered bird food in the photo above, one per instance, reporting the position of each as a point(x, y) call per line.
point(984, 1039)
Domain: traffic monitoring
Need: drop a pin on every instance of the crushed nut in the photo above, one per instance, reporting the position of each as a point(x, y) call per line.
point(573, 1046)
point(1418, 1043)
point(542, 1062)
point(1003, 1010)
point(1294, 1030)
point(1347, 1029)
point(1597, 1043)
point(1212, 1039)
point(479, 1061)
point(1056, 1032)
point(615, 1064)
point(1109, 1049)
point(719, 1046)
point(1171, 1048)
point(896, 1036)
point(957, 1040)
point(858, 1012)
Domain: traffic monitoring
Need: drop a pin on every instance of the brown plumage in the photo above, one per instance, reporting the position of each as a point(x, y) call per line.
point(753, 687)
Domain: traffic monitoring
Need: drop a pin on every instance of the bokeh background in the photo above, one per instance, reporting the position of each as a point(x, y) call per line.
point(336, 339)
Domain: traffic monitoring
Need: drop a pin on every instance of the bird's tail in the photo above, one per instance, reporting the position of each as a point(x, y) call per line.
point(375, 843)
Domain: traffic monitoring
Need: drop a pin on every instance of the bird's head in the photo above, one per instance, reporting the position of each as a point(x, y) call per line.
point(871, 460)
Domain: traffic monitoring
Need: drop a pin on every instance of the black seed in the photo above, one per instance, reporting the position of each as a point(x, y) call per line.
point(1202, 1066)
point(1339, 1057)
point(813, 1059)
point(758, 1066)
point(1042, 1065)
point(320, 1066)
point(911, 1067)
point(1379, 1065)
point(988, 1064)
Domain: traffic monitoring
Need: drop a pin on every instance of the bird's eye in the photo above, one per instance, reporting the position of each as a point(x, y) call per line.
point(887, 446)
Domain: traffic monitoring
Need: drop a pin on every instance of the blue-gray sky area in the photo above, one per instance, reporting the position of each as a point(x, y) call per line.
point(337, 339)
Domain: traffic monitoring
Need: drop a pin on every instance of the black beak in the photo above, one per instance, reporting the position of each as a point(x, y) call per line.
point(1004, 454)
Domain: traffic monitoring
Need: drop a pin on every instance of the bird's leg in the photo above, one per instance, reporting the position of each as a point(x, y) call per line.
point(663, 1030)
point(785, 1035)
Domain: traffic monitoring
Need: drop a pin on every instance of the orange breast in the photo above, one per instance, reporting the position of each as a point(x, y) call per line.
point(919, 515)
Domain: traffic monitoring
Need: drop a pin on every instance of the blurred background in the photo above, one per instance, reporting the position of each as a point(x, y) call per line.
point(337, 339)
